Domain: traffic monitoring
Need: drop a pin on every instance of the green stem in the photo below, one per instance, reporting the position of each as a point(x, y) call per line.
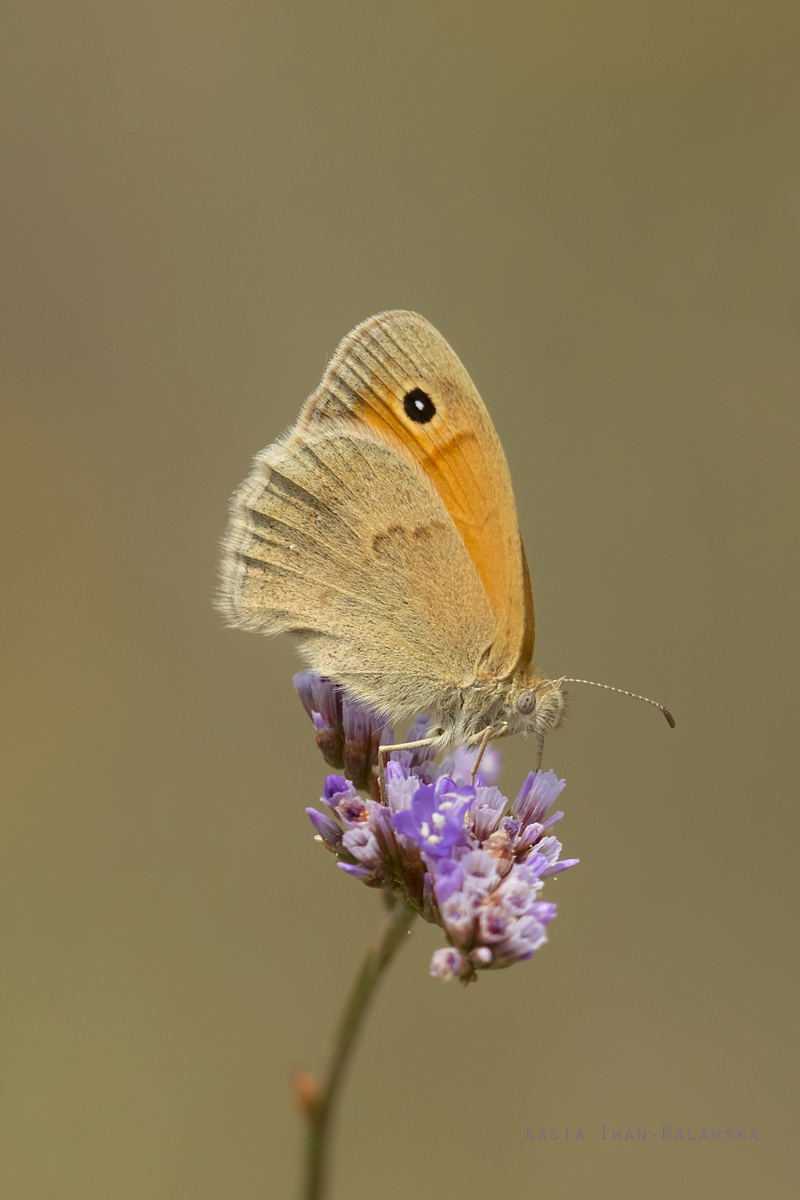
point(377, 958)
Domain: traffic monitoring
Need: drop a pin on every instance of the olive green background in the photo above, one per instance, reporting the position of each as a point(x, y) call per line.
point(597, 203)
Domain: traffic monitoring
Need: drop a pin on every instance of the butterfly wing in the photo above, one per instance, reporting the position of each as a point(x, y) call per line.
point(340, 540)
point(396, 376)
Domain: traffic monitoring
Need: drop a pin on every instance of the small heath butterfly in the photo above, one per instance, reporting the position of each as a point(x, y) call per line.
point(381, 533)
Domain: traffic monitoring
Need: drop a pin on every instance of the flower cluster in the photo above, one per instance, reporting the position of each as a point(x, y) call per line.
point(470, 861)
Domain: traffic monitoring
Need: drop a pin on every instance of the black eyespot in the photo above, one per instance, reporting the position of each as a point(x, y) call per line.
point(419, 406)
point(526, 702)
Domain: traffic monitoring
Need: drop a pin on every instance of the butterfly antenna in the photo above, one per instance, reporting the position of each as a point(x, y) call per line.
point(591, 683)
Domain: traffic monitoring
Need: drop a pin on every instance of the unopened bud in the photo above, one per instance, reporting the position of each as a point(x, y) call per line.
point(305, 1091)
point(499, 846)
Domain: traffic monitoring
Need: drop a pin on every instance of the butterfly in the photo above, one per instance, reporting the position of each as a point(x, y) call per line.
point(381, 533)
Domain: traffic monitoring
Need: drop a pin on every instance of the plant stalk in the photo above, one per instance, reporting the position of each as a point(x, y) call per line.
point(319, 1111)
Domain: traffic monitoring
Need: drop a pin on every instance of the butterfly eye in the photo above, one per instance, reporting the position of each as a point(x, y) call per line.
point(526, 702)
point(419, 406)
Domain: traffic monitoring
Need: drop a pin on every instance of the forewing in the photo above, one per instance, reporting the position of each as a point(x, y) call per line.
point(458, 450)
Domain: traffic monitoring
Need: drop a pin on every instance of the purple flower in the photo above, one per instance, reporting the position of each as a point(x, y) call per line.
point(558, 867)
point(322, 700)
point(521, 939)
point(352, 810)
point(470, 861)
point(357, 872)
point(490, 804)
point(327, 830)
point(537, 796)
point(363, 845)
point(436, 818)
point(449, 964)
point(401, 785)
point(363, 732)
point(449, 879)
point(336, 787)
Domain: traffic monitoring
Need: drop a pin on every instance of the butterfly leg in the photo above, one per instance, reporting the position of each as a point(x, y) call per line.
point(491, 731)
point(541, 752)
point(384, 753)
point(484, 742)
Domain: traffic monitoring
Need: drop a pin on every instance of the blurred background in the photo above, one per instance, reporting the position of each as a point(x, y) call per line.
point(597, 204)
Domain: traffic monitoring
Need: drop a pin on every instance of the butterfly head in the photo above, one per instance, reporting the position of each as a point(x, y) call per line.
point(535, 705)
